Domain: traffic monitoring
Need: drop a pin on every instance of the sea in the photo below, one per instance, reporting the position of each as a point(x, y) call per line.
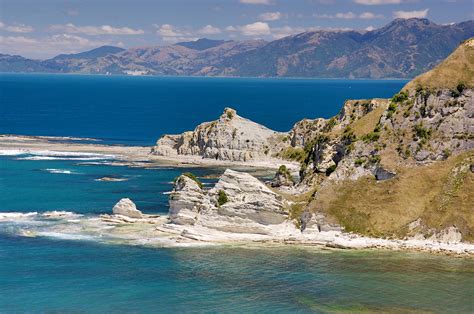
point(63, 275)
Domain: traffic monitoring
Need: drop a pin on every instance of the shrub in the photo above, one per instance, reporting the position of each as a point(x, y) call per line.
point(400, 97)
point(460, 87)
point(421, 132)
point(330, 124)
point(194, 178)
point(230, 114)
point(371, 137)
point(359, 161)
point(222, 198)
point(391, 110)
point(284, 171)
point(330, 169)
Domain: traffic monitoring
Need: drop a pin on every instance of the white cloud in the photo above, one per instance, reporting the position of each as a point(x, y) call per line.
point(231, 28)
point(209, 30)
point(377, 2)
point(266, 2)
point(350, 16)
point(370, 16)
point(172, 34)
point(369, 28)
point(255, 29)
point(96, 30)
point(49, 46)
point(270, 16)
point(16, 28)
point(411, 14)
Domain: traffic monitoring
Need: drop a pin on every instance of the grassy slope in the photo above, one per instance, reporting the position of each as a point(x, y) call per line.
point(437, 193)
point(458, 67)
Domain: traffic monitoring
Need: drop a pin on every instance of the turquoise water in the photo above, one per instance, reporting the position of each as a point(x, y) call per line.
point(51, 275)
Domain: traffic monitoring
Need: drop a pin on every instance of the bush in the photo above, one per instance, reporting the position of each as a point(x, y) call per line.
point(400, 97)
point(284, 171)
point(330, 169)
point(421, 132)
point(460, 87)
point(359, 161)
point(391, 110)
point(371, 137)
point(194, 178)
point(222, 198)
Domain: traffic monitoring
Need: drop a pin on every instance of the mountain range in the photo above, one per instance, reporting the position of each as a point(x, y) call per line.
point(403, 48)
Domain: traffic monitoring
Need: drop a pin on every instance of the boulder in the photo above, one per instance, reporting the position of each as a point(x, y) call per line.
point(383, 174)
point(127, 208)
point(186, 201)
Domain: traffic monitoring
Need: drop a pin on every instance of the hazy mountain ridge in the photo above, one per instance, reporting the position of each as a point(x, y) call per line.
point(401, 49)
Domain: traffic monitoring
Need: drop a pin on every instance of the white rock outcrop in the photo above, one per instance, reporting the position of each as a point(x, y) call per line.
point(125, 207)
point(231, 138)
point(250, 206)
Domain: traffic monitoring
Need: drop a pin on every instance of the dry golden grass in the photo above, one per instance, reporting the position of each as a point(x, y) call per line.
point(458, 67)
point(367, 123)
point(384, 208)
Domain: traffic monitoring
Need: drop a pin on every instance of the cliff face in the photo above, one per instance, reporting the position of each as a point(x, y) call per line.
point(231, 137)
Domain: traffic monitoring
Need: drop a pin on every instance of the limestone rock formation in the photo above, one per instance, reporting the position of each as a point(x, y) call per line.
point(282, 178)
point(125, 207)
point(238, 202)
point(231, 137)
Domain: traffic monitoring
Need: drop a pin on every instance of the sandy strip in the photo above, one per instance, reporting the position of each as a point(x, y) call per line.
point(126, 155)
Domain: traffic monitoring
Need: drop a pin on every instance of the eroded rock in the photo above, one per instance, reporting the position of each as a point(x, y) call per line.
point(127, 208)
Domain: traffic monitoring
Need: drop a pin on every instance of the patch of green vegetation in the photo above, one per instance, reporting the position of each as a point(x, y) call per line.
point(222, 197)
point(421, 132)
point(371, 137)
point(192, 177)
point(400, 97)
point(293, 153)
point(295, 212)
point(284, 171)
point(375, 159)
point(359, 161)
point(230, 114)
point(392, 108)
point(330, 124)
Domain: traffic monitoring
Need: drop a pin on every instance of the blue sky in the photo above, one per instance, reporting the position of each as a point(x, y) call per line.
point(42, 29)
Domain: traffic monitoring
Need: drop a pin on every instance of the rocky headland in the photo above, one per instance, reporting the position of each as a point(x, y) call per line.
point(392, 173)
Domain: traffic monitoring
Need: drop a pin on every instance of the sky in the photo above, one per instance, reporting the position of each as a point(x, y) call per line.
point(43, 29)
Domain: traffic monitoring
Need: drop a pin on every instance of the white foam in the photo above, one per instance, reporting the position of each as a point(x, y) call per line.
point(15, 215)
point(59, 214)
point(51, 155)
point(12, 152)
point(60, 171)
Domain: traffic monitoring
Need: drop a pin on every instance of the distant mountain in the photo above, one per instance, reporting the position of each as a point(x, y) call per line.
point(402, 49)
point(91, 54)
point(201, 44)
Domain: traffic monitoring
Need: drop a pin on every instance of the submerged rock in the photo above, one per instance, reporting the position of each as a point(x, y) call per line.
point(127, 208)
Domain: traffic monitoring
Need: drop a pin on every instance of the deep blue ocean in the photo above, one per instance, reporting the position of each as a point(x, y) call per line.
point(50, 275)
